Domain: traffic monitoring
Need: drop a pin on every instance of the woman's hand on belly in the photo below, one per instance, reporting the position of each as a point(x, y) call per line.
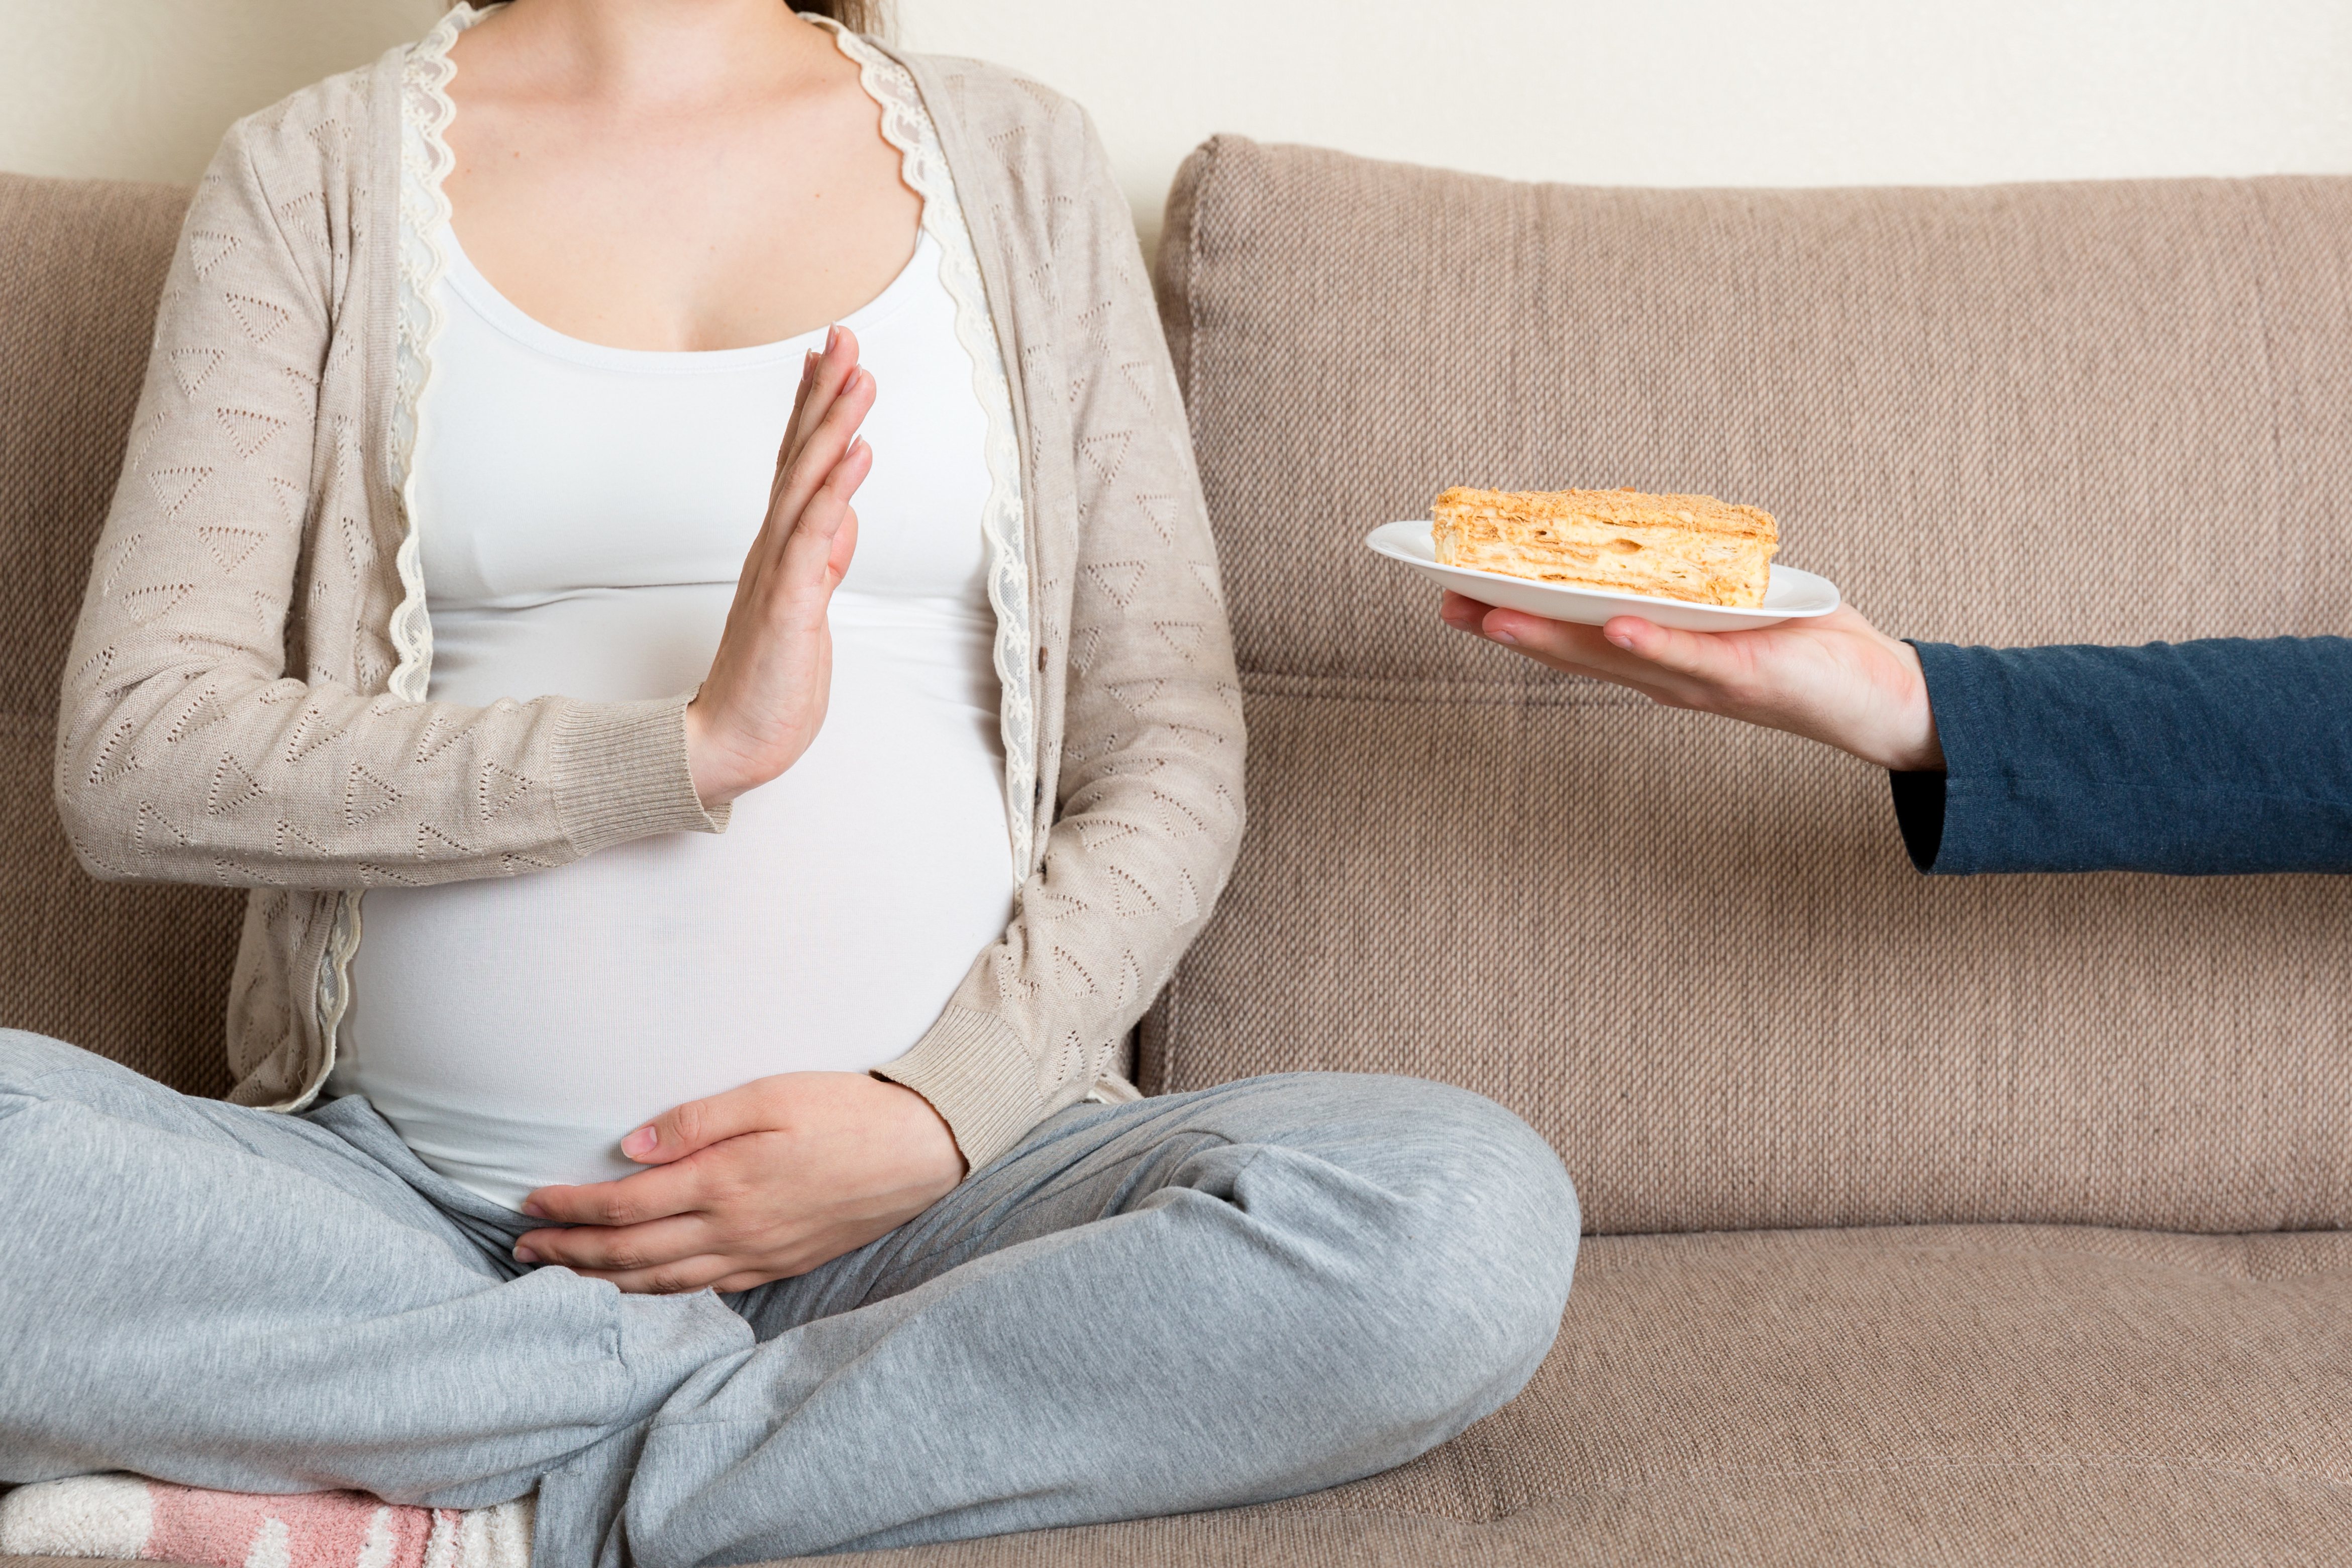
point(762, 1183)
point(764, 699)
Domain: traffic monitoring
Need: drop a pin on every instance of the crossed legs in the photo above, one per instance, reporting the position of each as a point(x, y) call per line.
point(1185, 1303)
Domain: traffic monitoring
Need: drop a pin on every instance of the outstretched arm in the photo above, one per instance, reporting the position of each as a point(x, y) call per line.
point(2195, 759)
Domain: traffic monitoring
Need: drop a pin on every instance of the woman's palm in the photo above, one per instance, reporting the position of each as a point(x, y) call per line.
point(765, 697)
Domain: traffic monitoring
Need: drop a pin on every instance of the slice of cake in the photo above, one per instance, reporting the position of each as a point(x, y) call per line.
point(1692, 547)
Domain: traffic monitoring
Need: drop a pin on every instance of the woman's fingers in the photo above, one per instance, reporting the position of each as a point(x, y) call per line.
point(1579, 649)
point(790, 443)
point(632, 1201)
point(699, 1123)
point(679, 1277)
point(824, 377)
point(828, 441)
point(649, 1245)
point(765, 698)
point(815, 553)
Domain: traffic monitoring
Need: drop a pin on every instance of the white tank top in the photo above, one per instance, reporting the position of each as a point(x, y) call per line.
point(582, 514)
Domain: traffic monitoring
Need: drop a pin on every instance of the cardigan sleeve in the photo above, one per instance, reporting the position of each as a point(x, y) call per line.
point(1149, 796)
point(2205, 758)
point(188, 751)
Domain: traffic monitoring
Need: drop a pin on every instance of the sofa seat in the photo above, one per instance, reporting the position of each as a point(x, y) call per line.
point(1963, 1395)
point(1923, 1395)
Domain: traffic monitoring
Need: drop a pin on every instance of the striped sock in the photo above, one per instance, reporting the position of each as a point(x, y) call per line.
point(129, 1517)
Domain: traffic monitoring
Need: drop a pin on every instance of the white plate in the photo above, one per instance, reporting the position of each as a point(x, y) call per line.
point(1790, 595)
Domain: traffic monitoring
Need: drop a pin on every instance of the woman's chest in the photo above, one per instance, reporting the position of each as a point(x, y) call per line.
point(707, 222)
point(548, 467)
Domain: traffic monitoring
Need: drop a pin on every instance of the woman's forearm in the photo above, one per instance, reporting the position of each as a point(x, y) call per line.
point(187, 750)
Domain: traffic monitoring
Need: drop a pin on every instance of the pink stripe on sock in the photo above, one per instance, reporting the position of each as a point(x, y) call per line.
point(323, 1529)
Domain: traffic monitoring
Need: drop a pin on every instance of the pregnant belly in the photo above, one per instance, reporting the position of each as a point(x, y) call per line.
point(513, 1031)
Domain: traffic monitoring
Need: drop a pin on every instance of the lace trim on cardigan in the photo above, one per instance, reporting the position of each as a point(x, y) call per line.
point(426, 161)
point(1003, 523)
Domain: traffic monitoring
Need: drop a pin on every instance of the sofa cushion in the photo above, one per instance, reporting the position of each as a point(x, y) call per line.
point(1693, 954)
point(1950, 1396)
point(140, 973)
point(1944, 1394)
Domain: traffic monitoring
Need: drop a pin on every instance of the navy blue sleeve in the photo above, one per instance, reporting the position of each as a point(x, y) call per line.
point(2203, 758)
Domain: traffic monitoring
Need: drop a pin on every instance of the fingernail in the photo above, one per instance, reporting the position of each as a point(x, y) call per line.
point(1623, 641)
point(640, 1143)
point(832, 336)
point(525, 1255)
point(534, 1210)
point(1505, 638)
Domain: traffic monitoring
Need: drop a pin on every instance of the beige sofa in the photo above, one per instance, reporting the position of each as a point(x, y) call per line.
point(1935, 1221)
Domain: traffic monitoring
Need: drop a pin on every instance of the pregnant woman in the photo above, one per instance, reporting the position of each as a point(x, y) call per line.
point(693, 924)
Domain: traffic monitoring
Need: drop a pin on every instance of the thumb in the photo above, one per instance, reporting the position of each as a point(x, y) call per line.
point(697, 1124)
point(1697, 654)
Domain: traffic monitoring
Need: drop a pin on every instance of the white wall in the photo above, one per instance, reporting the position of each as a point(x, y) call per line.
point(141, 90)
point(1671, 92)
point(1696, 92)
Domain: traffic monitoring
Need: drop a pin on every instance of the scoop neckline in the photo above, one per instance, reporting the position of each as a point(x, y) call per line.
point(466, 280)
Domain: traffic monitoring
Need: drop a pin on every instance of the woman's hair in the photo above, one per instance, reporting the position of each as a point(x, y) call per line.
point(857, 16)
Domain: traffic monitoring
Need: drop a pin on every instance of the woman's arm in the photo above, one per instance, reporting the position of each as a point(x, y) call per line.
point(186, 749)
point(2195, 759)
point(1149, 793)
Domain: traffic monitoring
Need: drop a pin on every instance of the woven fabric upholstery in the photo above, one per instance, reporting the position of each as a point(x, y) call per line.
point(1691, 953)
point(1948, 1396)
point(140, 973)
point(1954, 1397)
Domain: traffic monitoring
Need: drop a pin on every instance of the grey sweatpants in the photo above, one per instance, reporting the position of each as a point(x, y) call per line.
point(1185, 1303)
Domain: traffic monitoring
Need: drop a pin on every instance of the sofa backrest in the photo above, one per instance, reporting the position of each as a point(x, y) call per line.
point(140, 973)
point(1693, 954)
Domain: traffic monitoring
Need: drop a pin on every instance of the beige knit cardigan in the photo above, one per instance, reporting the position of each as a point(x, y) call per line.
point(226, 714)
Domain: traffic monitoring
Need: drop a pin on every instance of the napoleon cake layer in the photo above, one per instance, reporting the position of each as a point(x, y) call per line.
point(1692, 547)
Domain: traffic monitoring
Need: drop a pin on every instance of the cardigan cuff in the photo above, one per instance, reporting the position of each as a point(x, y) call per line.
point(622, 773)
point(977, 1075)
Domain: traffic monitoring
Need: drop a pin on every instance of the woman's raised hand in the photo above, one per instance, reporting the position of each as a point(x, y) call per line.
point(1837, 679)
point(764, 699)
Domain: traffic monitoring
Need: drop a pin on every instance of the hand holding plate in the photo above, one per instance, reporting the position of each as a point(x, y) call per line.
point(1834, 678)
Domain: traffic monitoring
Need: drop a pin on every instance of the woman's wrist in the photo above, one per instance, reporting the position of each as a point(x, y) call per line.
point(716, 770)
